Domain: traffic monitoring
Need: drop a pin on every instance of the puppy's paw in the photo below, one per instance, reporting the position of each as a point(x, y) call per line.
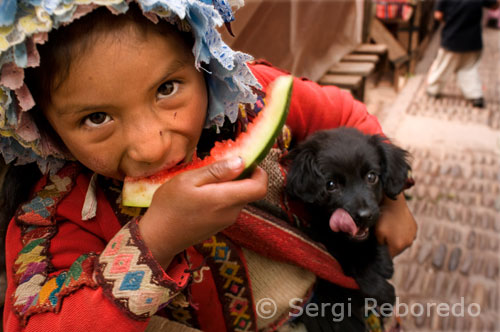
point(383, 264)
point(385, 294)
point(375, 286)
point(380, 267)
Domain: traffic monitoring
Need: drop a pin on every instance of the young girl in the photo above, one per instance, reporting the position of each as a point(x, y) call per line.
point(127, 90)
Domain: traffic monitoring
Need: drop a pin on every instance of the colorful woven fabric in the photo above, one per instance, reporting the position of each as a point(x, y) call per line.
point(37, 291)
point(132, 278)
point(375, 323)
point(232, 282)
point(41, 209)
point(25, 24)
point(126, 269)
point(274, 238)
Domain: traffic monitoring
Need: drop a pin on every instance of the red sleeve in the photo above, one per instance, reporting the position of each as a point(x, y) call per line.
point(314, 107)
point(79, 276)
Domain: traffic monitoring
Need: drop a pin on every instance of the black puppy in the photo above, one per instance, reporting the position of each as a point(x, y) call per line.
point(342, 176)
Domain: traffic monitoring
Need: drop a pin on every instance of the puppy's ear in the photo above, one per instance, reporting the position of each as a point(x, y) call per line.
point(304, 180)
point(395, 166)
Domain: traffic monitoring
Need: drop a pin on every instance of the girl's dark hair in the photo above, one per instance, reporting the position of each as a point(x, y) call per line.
point(16, 185)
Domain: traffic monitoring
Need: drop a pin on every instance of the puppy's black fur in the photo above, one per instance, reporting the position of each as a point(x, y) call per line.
point(343, 168)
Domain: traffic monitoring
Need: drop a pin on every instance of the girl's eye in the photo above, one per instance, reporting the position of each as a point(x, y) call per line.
point(331, 186)
point(96, 119)
point(371, 177)
point(167, 89)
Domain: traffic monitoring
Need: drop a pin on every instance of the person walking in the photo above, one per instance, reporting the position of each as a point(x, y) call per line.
point(461, 47)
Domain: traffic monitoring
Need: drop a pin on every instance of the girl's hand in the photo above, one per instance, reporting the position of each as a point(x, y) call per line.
point(396, 227)
point(196, 204)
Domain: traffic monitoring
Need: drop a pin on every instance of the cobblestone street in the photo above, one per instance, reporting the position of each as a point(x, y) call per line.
point(456, 160)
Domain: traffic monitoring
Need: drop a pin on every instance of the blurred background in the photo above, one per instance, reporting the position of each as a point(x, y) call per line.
point(381, 52)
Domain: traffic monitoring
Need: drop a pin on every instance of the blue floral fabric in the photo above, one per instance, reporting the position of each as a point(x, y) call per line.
point(8, 9)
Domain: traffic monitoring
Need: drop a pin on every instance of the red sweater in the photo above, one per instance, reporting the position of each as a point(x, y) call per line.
point(67, 274)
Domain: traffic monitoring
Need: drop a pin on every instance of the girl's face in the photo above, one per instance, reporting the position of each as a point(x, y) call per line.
point(131, 105)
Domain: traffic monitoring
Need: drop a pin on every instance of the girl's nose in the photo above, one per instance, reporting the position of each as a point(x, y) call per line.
point(149, 145)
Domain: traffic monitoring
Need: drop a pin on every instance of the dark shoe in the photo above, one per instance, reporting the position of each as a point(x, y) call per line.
point(432, 95)
point(478, 102)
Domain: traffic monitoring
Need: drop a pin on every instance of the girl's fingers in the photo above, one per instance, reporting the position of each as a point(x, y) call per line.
point(220, 171)
point(241, 191)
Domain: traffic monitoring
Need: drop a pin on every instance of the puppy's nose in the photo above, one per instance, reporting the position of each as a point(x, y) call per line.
point(364, 213)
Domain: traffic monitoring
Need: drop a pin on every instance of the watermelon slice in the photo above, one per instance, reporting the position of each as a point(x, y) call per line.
point(252, 146)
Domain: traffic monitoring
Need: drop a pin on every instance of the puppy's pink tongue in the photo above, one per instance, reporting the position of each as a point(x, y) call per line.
point(341, 221)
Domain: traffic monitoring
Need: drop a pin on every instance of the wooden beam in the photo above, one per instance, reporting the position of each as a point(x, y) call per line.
point(379, 49)
point(373, 58)
point(381, 35)
point(352, 68)
point(342, 81)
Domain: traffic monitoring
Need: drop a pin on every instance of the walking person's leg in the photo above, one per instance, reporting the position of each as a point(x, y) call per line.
point(468, 78)
point(441, 70)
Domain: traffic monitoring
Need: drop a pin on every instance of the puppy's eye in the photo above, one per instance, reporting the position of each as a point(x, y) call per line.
point(371, 177)
point(331, 186)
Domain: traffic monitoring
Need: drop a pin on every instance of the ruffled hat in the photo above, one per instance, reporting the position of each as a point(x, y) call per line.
point(26, 23)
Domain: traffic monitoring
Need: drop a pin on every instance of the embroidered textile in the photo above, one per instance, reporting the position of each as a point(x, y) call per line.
point(225, 261)
point(36, 291)
point(178, 309)
point(285, 243)
point(41, 209)
point(126, 269)
point(132, 278)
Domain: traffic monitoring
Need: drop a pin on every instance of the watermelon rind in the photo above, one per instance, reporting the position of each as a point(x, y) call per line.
point(252, 146)
point(277, 112)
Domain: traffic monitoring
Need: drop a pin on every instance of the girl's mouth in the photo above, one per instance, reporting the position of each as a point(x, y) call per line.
point(152, 171)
